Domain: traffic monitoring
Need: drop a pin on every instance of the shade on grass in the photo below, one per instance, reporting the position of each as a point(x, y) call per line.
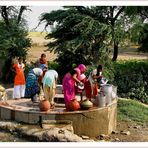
point(132, 110)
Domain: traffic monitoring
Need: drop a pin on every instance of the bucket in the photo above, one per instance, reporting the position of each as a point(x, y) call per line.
point(100, 100)
point(107, 90)
point(114, 92)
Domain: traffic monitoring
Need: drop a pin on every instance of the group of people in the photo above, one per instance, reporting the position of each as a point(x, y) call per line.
point(38, 78)
point(76, 77)
point(41, 78)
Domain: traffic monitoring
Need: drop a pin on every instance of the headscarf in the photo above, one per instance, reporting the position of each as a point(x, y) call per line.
point(43, 66)
point(38, 71)
point(82, 68)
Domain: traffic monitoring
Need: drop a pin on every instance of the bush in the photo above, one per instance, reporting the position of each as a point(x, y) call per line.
point(132, 79)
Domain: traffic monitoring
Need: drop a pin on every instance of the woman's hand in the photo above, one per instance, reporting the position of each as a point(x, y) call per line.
point(81, 84)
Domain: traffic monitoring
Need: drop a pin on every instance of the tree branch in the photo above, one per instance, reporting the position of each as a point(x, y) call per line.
point(4, 14)
point(22, 9)
point(119, 12)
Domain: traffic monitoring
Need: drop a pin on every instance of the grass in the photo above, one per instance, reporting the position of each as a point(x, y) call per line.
point(132, 110)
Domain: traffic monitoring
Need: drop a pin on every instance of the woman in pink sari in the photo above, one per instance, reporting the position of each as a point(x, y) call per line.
point(69, 81)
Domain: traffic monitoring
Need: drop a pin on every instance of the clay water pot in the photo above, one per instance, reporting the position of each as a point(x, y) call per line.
point(44, 105)
point(73, 105)
point(86, 104)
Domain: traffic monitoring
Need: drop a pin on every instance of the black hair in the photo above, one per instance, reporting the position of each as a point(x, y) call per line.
point(43, 54)
point(99, 67)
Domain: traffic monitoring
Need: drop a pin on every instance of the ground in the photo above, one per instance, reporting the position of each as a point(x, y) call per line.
point(38, 48)
point(138, 133)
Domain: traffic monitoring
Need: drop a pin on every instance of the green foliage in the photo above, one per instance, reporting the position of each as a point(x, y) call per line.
point(13, 38)
point(53, 65)
point(78, 36)
point(143, 39)
point(13, 41)
point(108, 67)
point(132, 80)
point(139, 31)
point(133, 111)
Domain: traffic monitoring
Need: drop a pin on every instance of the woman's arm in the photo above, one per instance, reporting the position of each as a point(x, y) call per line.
point(96, 77)
point(76, 79)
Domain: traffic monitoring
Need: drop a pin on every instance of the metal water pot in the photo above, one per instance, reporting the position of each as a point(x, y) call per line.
point(86, 104)
point(107, 90)
point(100, 100)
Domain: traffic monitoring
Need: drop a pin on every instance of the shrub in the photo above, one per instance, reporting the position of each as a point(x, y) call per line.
point(132, 80)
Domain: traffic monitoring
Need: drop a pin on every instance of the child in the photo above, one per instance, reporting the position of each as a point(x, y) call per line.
point(43, 60)
point(92, 82)
point(19, 80)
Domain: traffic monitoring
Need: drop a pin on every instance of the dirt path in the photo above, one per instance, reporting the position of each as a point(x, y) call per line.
point(131, 132)
point(38, 48)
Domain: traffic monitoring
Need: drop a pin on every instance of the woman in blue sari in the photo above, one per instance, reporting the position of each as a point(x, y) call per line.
point(32, 84)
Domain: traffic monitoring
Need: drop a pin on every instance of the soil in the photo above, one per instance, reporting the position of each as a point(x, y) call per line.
point(137, 133)
point(127, 131)
point(38, 48)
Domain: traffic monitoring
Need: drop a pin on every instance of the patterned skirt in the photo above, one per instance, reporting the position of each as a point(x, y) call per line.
point(32, 85)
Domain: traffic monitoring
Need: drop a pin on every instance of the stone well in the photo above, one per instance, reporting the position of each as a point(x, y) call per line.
point(92, 122)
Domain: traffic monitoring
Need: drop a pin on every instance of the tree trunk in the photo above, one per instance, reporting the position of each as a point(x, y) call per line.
point(115, 53)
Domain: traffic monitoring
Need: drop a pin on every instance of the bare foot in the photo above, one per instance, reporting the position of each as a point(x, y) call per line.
point(52, 106)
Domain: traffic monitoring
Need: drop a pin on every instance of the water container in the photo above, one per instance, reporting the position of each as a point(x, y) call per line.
point(114, 92)
point(107, 90)
point(100, 100)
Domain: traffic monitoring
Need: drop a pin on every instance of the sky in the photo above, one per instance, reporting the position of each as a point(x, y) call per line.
point(32, 16)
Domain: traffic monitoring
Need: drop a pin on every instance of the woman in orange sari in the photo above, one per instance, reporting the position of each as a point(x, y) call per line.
point(19, 80)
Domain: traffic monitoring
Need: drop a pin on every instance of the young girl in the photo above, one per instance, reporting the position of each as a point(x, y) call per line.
point(92, 82)
point(19, 80)
point(43, 60)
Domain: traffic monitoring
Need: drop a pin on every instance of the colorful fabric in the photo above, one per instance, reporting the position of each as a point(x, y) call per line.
point(68, 83)
point(82, 68)
point(68, 88)
point(91, 90)
point(42, 61)
point(19, 91)
point(42, 66)
point(38, 71)
point(49, 85)
point(49, 93)
point(50, 78)
point(93, 84)
point(19, 77)
point(32, 86)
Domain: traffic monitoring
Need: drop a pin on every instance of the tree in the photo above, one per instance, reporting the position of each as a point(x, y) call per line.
point(78, 36)
point(13, 35)
point(139, 31)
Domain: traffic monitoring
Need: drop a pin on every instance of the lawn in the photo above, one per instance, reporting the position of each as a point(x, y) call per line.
point(131, 110)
